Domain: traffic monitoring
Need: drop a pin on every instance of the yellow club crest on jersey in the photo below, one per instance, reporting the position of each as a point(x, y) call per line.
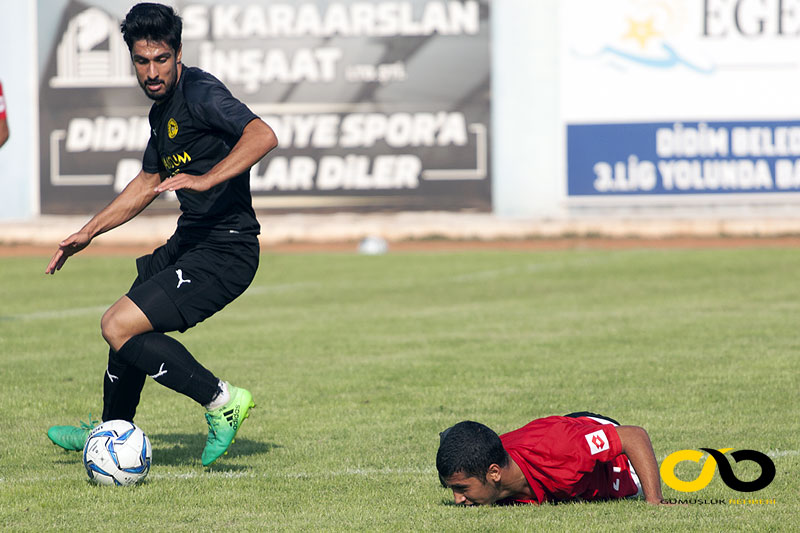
point(172, 128)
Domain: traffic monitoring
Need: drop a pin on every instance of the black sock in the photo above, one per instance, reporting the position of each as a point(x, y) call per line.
point(122, 387)
point(168, 362)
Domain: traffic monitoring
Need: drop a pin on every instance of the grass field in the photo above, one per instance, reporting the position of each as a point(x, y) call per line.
point(357, 362)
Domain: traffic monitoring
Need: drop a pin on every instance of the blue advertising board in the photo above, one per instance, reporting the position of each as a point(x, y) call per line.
point(679, 158)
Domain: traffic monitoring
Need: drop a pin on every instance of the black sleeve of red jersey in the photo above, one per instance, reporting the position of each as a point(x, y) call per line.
point(213, 106)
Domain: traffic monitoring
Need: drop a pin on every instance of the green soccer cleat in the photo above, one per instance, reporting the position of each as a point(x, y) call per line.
point(71, 437)
point(224, 422)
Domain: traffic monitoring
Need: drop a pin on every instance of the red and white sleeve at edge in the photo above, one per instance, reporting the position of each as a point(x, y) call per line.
point(2, 103)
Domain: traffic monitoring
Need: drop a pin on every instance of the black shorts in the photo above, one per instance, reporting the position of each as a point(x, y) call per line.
point(181, 284)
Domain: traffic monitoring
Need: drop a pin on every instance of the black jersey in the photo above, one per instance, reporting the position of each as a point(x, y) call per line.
point(193, 130)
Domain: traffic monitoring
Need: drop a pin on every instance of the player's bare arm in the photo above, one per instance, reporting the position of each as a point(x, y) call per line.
point(637, 446)
point(3, 119)
point(3, 131)
point(257, 140)
point(129, 203)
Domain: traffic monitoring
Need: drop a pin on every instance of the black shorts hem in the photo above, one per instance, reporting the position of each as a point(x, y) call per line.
point(159, 308)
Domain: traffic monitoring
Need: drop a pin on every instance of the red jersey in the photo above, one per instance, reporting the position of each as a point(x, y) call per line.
point(2, 104)
point(567, 458)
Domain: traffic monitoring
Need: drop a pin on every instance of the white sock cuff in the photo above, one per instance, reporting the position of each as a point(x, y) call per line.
point(222, 397)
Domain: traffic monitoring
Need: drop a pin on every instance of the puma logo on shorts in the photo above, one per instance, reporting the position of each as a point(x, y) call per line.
point(181, 281)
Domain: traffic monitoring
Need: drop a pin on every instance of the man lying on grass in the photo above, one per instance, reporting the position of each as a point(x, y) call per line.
point(580, 456)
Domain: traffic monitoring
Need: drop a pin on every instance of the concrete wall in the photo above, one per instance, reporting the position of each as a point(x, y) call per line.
point(526, 129)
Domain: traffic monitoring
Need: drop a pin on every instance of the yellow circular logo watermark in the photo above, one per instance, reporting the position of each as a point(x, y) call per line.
point(717, 458)
point(172, 128)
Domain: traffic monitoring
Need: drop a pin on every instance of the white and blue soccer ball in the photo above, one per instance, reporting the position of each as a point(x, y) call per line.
point(117, 452)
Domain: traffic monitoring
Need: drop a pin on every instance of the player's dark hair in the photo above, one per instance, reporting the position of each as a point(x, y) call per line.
point(152, 22)
point(469, 448)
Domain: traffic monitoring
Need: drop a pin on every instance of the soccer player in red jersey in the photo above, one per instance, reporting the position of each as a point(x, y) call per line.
point(578, 457)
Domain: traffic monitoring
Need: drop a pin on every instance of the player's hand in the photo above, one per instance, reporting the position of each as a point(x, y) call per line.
point(69, 246)
point(184, 181)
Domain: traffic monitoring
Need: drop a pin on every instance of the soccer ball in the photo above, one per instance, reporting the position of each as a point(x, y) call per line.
point(117, 452)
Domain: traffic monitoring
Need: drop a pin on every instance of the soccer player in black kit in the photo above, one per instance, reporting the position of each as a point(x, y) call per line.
point(203, 142)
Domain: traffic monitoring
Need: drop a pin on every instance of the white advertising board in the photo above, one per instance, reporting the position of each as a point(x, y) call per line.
point(684, 97)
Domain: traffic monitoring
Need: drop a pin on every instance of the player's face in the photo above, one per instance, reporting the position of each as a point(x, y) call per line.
point(471, 490)
point(157, 67)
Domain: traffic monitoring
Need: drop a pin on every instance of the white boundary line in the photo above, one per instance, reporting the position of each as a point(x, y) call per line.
point(56, 313)
point(281, 287)
point(783, 453)
point(198, 474)
point(78, 311)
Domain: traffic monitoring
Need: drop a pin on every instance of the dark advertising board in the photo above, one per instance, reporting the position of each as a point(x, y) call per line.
point(377, 105)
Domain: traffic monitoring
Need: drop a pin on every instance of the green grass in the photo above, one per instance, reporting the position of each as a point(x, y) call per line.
point(356, 363)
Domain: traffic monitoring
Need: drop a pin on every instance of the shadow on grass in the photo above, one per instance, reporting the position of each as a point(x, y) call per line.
point(68, 458)
point(177, 449)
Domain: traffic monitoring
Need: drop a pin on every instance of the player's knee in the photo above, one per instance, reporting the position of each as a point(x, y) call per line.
point(122, 321)
point(113, 329)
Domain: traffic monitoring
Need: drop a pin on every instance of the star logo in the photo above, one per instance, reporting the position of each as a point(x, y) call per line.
point(641, 31)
